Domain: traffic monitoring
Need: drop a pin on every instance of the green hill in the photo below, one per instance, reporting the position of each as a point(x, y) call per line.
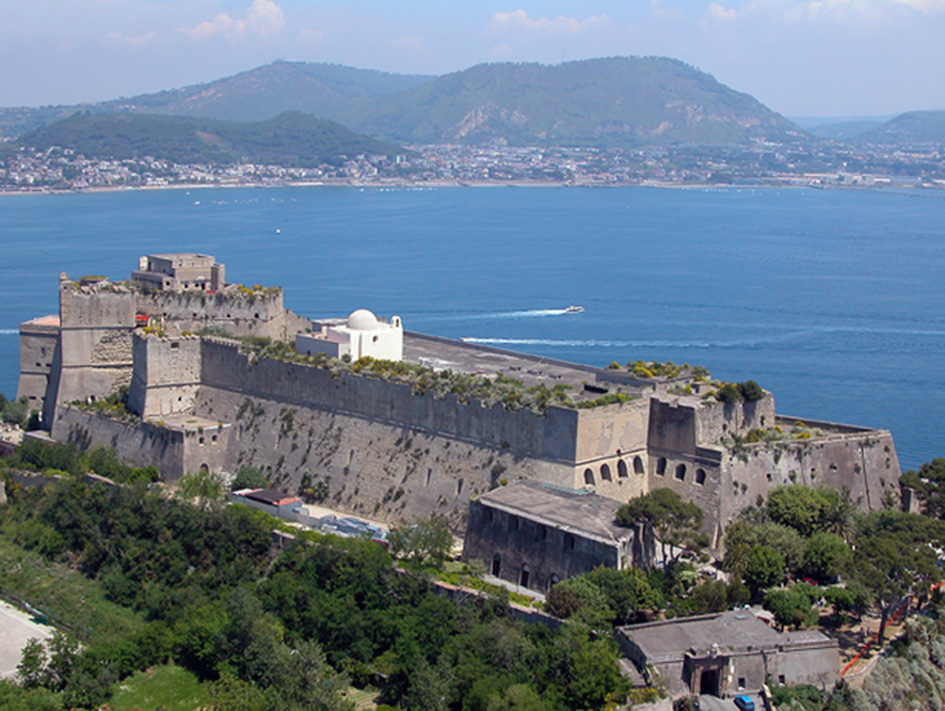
point(628, 101)
point(617, 101)
point(912, 128)
point(323, 90)
point(291, 139)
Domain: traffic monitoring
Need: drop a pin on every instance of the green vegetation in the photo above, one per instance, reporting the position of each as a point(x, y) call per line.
point(425, 542)
point(929, 483)
point(674, 522)
point(748, 391)
point(287, 632)
point(510, 392)
point(573, 103)
point(114, 406)
point(797, 431)
point(15, 412)
point(166, 687)
point(291, 139)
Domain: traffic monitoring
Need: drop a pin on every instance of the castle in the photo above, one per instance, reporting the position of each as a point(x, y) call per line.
point(423, 425)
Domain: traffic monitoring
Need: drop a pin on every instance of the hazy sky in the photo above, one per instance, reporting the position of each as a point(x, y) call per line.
point(799, 57)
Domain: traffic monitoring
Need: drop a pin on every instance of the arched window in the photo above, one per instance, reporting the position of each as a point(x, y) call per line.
point(621, 469)
point(605, 472)
point(681, 472)
point(661, 466)
point(568, 542)
point(700, 476)
point(496, 565)
point(638, 465)
point(523, 576)
point(589, 477)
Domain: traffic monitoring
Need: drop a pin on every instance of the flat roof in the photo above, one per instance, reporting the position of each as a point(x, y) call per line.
point(731, 631)
point(180, 255)
point(575, 510)
point(444, 353)
point(45, 322)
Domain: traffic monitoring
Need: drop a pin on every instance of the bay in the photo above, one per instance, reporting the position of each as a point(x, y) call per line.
point(831, 299)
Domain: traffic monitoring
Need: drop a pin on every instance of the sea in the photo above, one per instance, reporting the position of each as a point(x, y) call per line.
point(831, 299)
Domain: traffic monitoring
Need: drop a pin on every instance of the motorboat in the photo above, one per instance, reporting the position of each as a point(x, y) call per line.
point(572, 309)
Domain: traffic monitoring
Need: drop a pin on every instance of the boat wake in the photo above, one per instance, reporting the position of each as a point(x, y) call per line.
point(9, 331)
point(530, 313)
point(583, 343)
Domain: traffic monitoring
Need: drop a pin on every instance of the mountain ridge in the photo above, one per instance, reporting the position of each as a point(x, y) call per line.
point(610, 101)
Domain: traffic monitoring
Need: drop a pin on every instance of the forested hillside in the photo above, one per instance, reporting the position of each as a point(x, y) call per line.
point(291, 139)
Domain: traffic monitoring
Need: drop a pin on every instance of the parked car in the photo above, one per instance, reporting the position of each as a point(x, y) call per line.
point(745, 703)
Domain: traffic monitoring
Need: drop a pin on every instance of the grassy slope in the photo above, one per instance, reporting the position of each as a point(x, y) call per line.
point(163, 688)
point(63, 594)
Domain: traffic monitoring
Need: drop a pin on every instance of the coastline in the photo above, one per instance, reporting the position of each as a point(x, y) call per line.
point(437, 184)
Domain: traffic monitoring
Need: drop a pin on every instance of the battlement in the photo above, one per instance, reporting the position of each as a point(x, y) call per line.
point(395, 424)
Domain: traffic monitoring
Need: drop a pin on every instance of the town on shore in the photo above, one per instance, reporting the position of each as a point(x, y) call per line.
point(762, 164)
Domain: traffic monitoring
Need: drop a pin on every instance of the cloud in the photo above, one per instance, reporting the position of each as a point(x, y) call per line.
point(262, 19)
point(519, 20)
point(717, 12)
point(118, 39)
point(661, 13)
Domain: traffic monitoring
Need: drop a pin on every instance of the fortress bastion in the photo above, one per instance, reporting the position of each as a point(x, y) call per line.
point(403, 438)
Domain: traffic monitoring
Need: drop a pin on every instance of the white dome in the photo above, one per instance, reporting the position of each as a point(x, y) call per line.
point(363, 320)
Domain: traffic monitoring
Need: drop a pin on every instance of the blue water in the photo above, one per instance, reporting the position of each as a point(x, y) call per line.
point(833, 300)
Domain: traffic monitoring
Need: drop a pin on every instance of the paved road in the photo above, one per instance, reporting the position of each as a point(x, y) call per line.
point(16, 629)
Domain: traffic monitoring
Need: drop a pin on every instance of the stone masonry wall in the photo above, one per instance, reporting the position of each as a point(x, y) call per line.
point(95, 342)
point(173, 451)
point(166, 375)
point(864, 462)
point(242, 314)
point(552, 436)
point(371, 466)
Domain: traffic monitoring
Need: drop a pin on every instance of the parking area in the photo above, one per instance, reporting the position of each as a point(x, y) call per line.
point(16, 629)
point(712, 703)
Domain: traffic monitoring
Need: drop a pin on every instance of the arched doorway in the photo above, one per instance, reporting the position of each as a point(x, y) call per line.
point(496, 565)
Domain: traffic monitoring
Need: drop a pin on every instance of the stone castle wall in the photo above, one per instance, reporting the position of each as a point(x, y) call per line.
point(166, 375)
point(863, 461)
point(94, 342)
point(239, 313)
point(371, 466)
point(174, 452)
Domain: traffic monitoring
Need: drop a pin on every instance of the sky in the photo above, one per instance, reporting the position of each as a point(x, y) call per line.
point(820, 58)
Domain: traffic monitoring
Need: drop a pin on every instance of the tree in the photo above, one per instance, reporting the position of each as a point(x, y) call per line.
point(203, 488)
point(790, 608)
point(744, 534)
point(765, 568)
point(825, 556)
point(627, 591)
point(674, 522)
point(929, 483)
point(31, 671)
point(593, 608)
point(803, 508)
point(249, 478)
point(425, 541)
point(895, 555)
